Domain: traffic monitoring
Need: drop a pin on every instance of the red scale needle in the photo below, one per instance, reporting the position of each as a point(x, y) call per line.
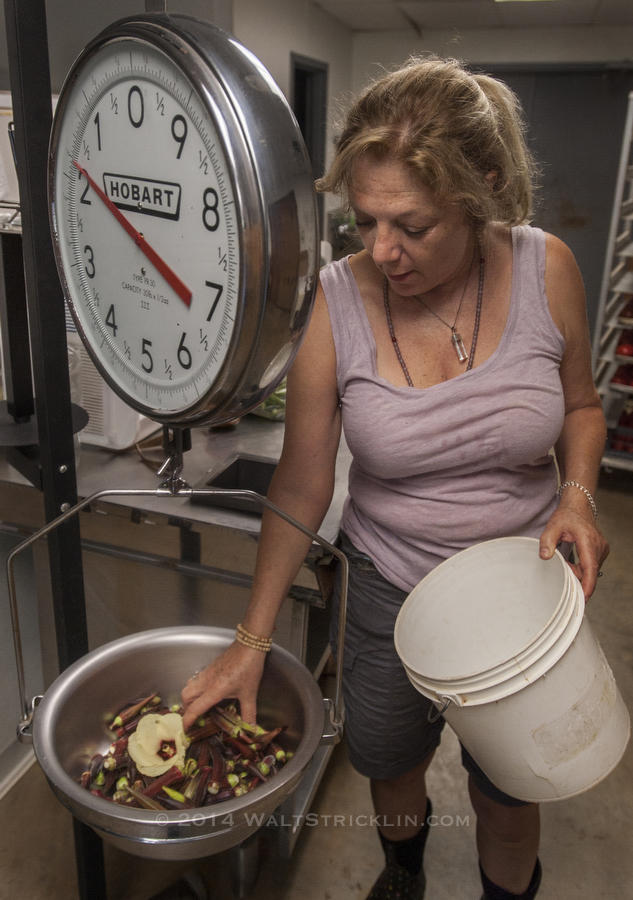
point(157, 261)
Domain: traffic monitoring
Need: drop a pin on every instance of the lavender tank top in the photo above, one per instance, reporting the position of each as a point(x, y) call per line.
point(437, 469)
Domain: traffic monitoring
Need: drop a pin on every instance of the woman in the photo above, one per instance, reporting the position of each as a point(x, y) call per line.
point(454, 350)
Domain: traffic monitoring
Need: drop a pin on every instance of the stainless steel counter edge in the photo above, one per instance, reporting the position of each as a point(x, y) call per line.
point(101, 469)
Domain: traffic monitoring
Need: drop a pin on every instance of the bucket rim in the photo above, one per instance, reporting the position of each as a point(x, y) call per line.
point(515, 679)
point(542, 644)
point(546, 633)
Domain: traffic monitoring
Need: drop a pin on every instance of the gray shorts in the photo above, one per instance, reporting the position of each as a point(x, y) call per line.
point(386, 719)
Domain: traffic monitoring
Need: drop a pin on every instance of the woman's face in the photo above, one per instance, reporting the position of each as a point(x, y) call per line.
point(419, 244)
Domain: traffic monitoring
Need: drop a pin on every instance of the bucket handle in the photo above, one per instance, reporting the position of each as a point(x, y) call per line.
point(332, 728)
point(434, 713)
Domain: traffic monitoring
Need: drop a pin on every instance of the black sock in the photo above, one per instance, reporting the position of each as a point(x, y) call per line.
point(408, 853)
point(492, 891)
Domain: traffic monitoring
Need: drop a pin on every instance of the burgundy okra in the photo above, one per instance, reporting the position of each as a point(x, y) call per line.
point(225, 757)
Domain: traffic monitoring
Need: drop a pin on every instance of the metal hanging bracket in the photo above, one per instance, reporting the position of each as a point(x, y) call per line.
point(175, 442)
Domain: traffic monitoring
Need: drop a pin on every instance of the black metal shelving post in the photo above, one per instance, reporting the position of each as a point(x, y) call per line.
point(31, 97)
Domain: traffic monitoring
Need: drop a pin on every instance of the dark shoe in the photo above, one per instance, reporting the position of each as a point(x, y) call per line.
point(494, 892)
point(396, 883)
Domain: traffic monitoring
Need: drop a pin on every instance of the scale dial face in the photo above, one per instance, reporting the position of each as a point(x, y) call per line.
point(152, 189)
point(146, 224)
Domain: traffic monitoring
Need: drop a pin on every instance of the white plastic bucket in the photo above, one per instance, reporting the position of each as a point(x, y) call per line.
point(498, 637)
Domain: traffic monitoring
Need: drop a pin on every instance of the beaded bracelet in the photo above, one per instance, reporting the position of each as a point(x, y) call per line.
point(242, 636)
point(581, 487)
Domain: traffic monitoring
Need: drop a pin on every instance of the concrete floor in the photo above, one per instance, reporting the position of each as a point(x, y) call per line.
point(586, 841)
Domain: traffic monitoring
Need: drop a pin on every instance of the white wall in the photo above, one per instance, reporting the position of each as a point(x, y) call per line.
point(271, 29)
point(276, 28)
point(72, 23)
point(492, 45)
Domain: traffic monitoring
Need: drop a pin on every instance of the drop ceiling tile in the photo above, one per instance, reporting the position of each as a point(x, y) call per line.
point(389, 15)
point(544, 15)
point(452, 13)
point(613, 12)
point(362, 16)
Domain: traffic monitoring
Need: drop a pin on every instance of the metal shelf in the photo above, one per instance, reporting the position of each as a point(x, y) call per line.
point(616, 292)
point(617, 461)
point(621, 389)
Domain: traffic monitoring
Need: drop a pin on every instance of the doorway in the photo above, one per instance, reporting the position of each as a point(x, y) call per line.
point(575, 121)
point(309, 104)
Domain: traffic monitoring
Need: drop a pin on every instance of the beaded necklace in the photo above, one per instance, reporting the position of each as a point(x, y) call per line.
point(456, 339)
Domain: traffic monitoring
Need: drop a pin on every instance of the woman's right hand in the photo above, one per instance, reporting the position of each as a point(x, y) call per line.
point(236, 673)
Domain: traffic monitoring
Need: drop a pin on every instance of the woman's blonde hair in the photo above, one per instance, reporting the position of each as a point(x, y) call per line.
point(452, 128)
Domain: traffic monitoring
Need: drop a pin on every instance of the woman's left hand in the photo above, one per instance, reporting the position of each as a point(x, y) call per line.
point(569, 525)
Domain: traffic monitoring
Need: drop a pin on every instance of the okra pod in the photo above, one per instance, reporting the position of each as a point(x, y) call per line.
point(217, 763)
point(242, 748)
point(204, 775)
point(204, 731)
point(96, 765)
point(144, 800)
point(130, 711)
point(171, 776)
point(225, 757)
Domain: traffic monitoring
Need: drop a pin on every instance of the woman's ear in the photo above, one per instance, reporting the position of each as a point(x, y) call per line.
point(491, 178)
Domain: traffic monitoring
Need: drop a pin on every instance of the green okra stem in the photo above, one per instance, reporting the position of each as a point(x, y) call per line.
point(228, 727)
point(279, 752)
point(230, 713)
point(174, 794)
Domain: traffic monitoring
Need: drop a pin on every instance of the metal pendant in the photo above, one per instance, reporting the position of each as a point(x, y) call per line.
point(458, 344)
